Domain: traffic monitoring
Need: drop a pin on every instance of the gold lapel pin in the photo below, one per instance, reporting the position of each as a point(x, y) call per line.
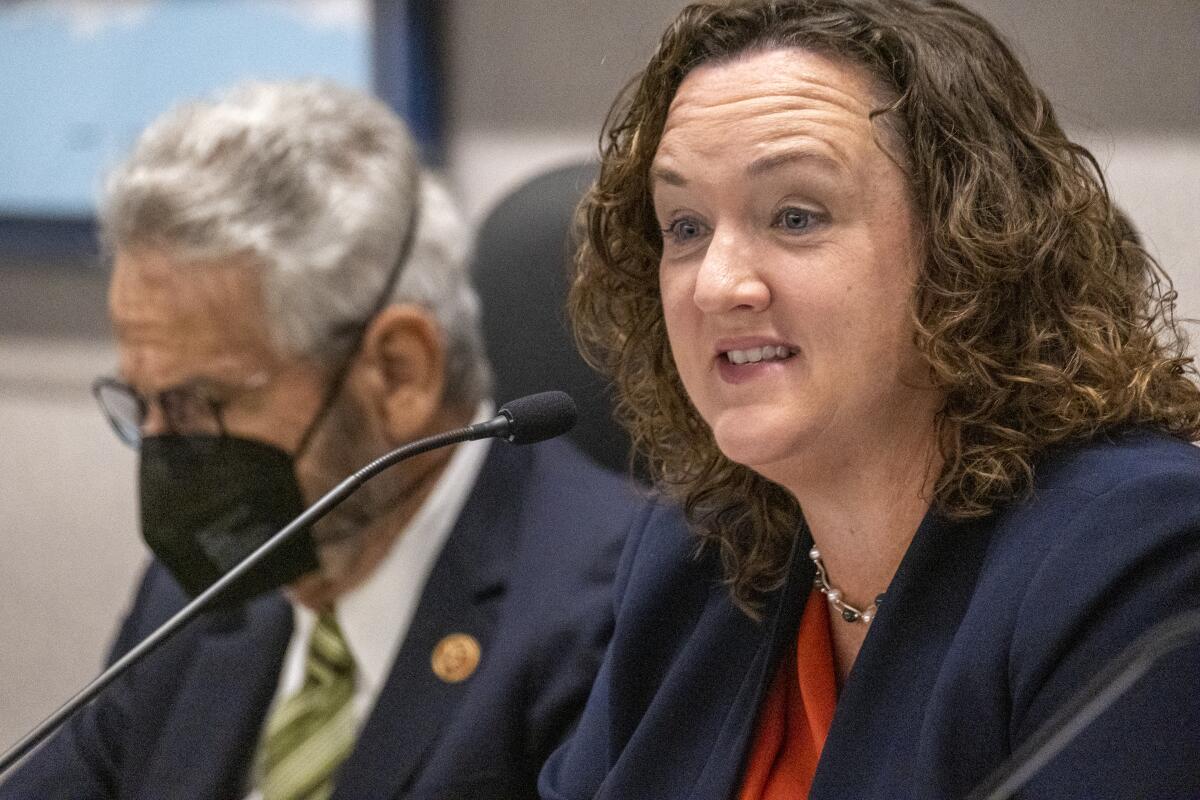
point(456, 657)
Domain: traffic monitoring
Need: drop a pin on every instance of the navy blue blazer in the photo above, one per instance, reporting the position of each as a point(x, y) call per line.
point(527, 571)
point(987, 628)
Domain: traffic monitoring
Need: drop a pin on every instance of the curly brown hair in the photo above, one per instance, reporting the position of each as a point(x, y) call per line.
point(1040, 316)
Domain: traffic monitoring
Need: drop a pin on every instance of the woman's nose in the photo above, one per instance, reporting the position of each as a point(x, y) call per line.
point(729, 277)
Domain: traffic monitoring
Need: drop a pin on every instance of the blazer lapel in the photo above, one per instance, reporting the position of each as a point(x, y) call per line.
point(722, 773)
point(686, 734)
point(462, 595)
point(211, 733)
point(879, 710)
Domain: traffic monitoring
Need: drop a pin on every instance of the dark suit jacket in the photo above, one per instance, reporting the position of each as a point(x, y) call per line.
point(527, 571)
point(986, 629)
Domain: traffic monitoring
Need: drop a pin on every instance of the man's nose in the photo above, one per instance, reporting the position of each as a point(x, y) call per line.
point(154, 423)
point(729, 278)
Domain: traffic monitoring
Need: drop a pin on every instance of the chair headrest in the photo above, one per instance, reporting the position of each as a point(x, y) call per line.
point(522, 265)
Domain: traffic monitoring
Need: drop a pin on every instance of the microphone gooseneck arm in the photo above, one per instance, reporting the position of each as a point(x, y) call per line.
point(550, 414)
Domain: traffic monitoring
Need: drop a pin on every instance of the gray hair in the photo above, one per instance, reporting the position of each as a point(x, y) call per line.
point(315, 183)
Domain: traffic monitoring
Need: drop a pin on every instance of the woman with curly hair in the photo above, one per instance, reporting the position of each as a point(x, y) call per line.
point(877, 325)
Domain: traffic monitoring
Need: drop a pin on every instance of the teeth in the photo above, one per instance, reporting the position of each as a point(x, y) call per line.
point(757, 354)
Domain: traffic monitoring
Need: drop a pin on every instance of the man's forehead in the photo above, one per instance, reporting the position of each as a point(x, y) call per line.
point(155, 274)
point(179, 321)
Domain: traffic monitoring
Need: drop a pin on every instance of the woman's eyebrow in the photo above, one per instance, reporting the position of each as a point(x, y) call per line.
point(667, 175)
point(785, 158)
point(758, 167)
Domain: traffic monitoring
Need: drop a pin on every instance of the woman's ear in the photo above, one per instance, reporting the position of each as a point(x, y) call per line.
point(404, 354)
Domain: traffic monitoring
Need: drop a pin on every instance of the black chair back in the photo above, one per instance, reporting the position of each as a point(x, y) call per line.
point(521, 269)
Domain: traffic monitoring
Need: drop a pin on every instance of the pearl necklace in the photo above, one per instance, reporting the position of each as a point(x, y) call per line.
point(848, 612)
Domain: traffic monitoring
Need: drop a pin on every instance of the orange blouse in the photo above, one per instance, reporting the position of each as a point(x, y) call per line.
point(795, 715)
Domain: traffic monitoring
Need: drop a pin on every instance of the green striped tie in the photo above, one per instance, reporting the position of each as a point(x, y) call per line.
point(312, 731)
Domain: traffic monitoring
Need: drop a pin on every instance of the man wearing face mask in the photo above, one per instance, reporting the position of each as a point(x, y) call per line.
point(290, 301)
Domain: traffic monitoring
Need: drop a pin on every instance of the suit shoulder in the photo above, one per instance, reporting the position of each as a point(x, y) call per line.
point(577, 501)
point(1108, 545)
point(157, 597)
point(570, 471)
point(1113, 498)
point(1118, 462)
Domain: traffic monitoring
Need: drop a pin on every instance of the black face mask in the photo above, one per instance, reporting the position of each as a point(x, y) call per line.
point(208, 502)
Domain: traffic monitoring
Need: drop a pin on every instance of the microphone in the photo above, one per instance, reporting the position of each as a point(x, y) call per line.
point(534, 418)
point(1092, 700)
point(526, 420)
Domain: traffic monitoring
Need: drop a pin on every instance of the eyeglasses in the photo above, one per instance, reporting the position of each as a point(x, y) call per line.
point(188, 409)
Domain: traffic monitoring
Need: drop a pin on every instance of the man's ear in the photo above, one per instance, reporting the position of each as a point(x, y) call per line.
point(404, 353)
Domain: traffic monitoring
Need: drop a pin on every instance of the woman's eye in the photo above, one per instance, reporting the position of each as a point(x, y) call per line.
point(795, 219)
point(683, 230)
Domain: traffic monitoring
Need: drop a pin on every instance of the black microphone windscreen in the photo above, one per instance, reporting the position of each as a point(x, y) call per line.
point(539, 416)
